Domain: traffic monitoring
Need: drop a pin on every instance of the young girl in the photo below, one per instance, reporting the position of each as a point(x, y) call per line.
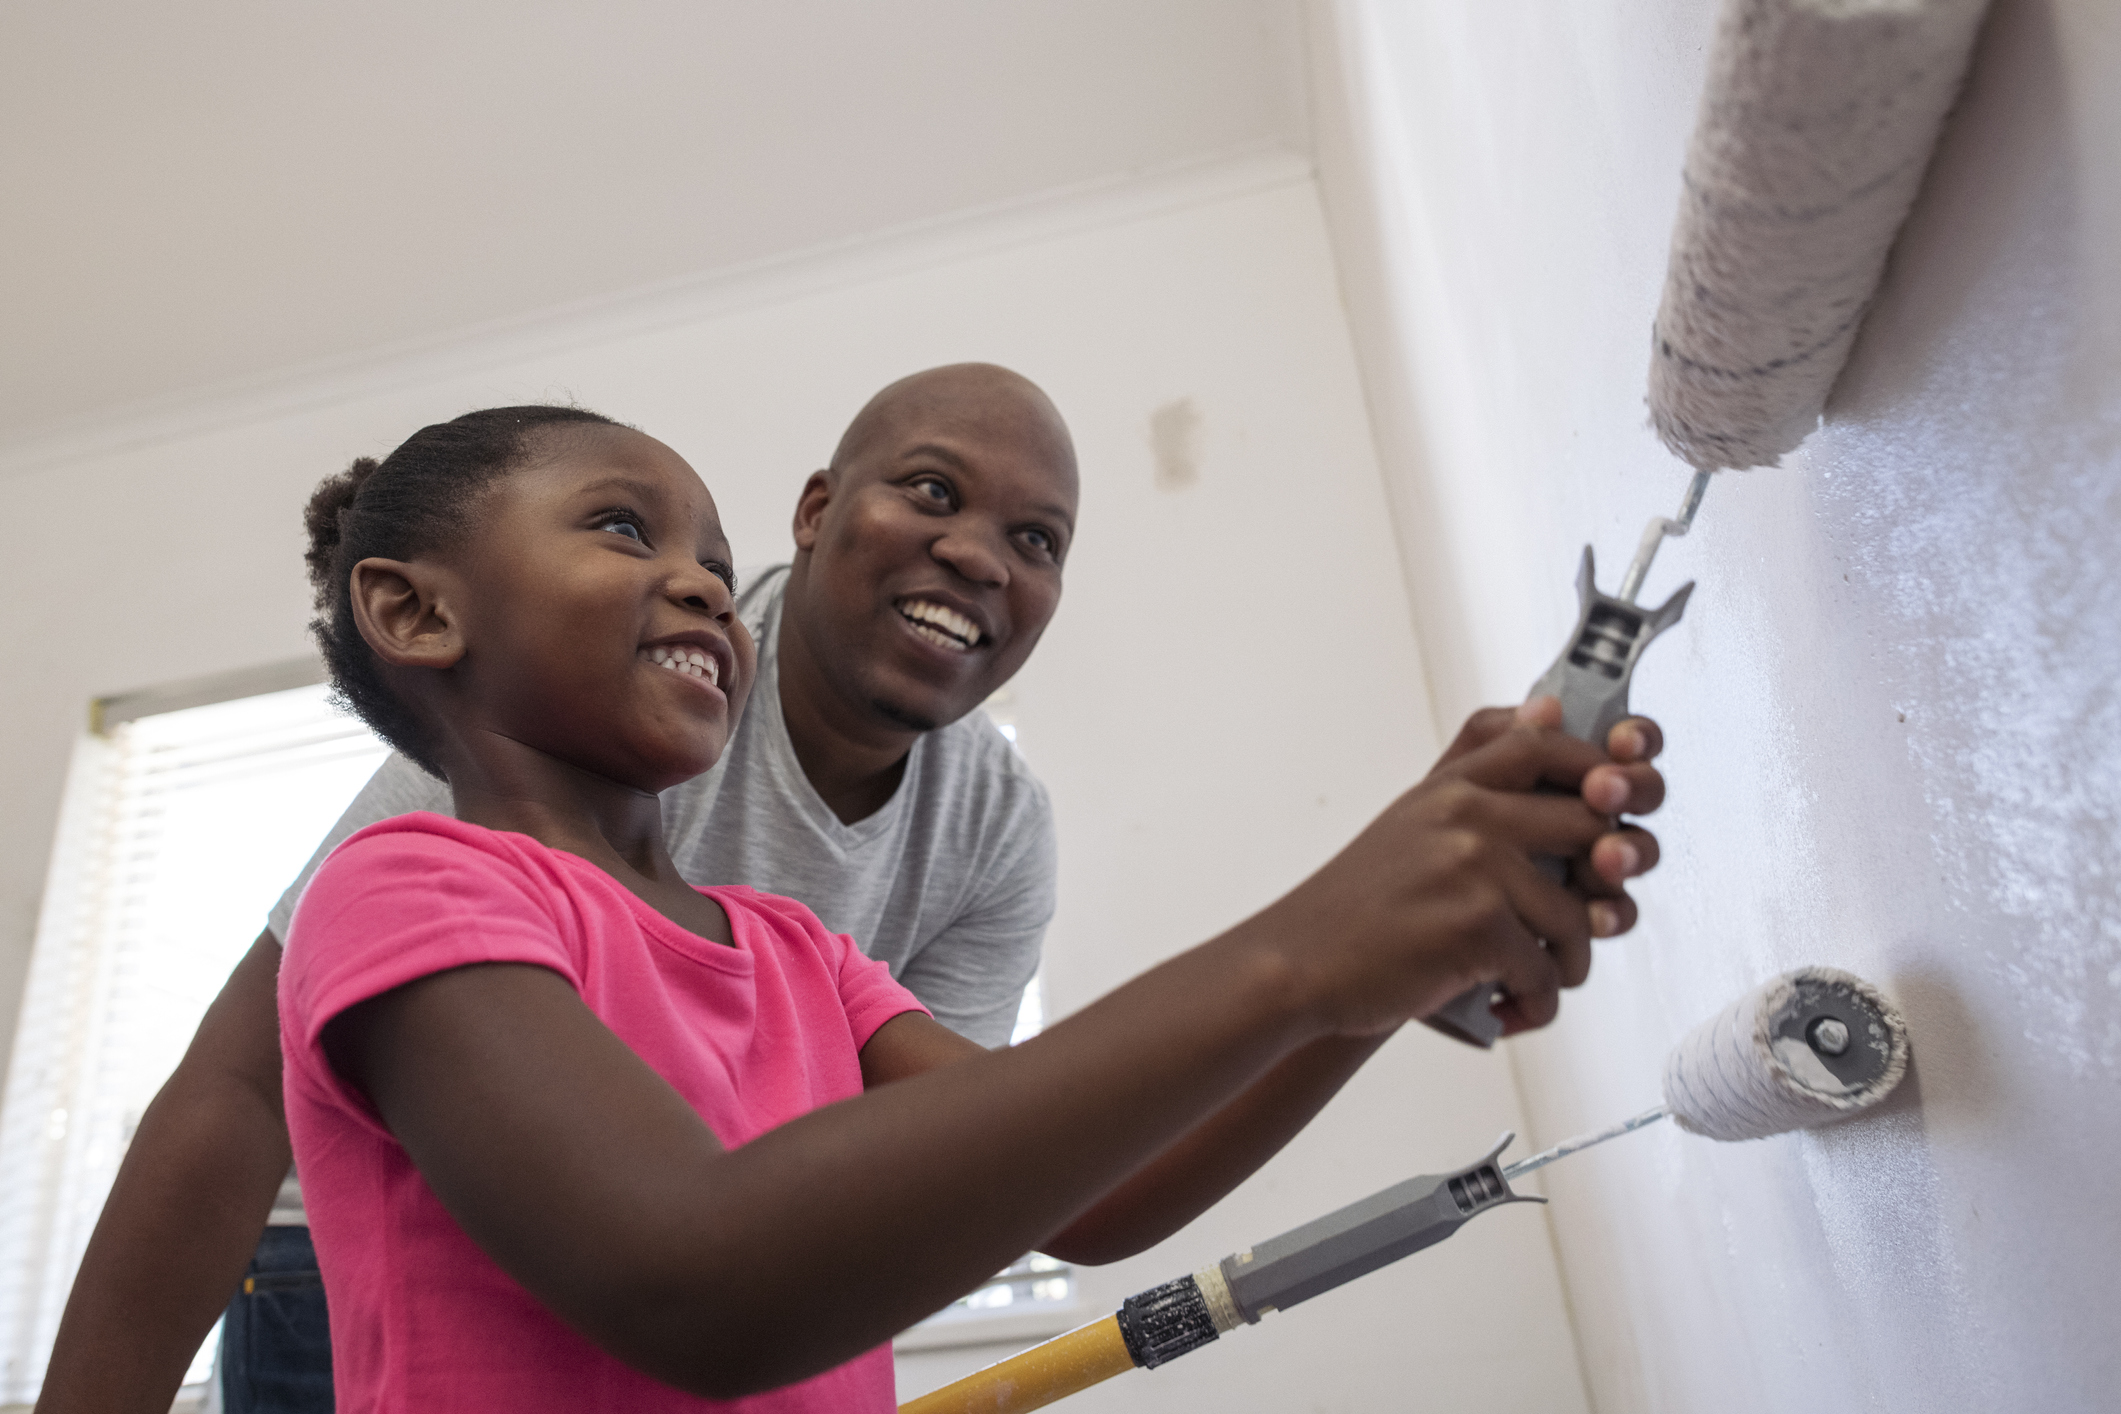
point(578, 1136)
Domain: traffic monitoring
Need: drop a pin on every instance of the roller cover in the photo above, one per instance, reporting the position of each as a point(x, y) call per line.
point(1747, 1072)
point(1814, 131)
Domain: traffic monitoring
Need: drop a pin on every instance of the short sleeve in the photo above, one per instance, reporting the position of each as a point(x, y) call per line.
point(867, 995)
point(972, 975)
point(408, 899)
point(397, 788)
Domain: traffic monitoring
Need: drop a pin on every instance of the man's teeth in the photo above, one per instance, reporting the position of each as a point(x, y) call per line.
point(693, 662)
point(946, 628)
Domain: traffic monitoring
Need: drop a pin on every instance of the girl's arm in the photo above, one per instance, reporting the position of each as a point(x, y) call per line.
point(589, 1179)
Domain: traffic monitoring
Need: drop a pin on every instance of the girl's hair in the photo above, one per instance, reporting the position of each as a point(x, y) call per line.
point(419, 499)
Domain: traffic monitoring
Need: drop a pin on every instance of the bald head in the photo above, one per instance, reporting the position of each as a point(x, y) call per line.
point(983, 397)
point(928, 555)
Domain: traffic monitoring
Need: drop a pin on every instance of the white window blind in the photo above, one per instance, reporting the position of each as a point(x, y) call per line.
point(179, 830)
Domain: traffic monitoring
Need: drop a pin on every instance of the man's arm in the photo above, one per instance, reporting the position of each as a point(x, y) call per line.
point(200, 1175)
point(185, 1213)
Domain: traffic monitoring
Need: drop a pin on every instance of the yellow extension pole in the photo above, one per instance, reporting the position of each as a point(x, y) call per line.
point(1083, 1357)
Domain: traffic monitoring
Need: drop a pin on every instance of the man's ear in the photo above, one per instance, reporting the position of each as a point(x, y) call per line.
point(810, 508)
point(402, 614)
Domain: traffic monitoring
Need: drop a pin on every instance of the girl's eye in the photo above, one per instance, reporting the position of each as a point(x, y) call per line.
point(1040, 540)
point(624, 523)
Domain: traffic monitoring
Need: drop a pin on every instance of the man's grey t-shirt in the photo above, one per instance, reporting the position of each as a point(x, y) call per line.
point(951, 883)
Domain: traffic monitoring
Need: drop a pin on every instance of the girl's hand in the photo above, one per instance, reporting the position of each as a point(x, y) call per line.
point(1440, 894)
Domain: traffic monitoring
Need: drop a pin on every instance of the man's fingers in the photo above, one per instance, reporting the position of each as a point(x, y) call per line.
point(1556, 915)
point(1536, 823)
point(1530, 1005)
point(1610, 917)
point(1613, 859)
point(1528, 975)
point(1530, 754)
point(1540, 712)
point(1480, 729)
point(1635, 739)
point(1623, 790)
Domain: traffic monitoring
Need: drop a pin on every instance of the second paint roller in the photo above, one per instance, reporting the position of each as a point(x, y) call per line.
point(1804, 1049)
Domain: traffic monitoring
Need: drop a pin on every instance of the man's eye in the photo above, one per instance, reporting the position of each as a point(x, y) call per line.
point(934, 488)
point(1039, 540)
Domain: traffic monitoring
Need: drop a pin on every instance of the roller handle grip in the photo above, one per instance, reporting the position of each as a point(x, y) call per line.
point(1591, 678)
point(1035, 1378)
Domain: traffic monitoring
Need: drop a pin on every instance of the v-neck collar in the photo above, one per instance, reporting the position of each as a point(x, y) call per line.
point(771, 728)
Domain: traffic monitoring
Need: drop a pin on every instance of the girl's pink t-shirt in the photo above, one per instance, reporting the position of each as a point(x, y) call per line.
point(751, 1035)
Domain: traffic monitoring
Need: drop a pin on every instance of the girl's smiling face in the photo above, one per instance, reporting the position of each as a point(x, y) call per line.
point(597, 612)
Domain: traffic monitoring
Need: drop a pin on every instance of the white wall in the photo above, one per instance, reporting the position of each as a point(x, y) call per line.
point(1230, 690)
point(1893, 709)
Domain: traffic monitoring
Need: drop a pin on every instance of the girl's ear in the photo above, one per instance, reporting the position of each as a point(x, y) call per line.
point(810, 508)
point(402, 613)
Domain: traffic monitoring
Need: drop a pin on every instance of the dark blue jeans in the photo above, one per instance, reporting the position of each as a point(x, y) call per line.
point(276, 1341)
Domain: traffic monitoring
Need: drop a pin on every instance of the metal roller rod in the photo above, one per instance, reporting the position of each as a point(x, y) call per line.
point(1654, 533)
point(1584, 1141)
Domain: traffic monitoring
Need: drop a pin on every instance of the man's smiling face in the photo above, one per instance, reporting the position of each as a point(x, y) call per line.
point(928, 558)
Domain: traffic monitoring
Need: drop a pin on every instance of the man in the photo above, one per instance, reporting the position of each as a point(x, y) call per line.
point(928, 562)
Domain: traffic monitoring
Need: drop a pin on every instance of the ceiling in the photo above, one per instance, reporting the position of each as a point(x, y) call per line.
point(192, 196)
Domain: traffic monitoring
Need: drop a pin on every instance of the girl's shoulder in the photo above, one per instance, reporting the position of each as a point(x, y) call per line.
point(788, 922)
point(423, 855)
point(860, 987)
point(775, 911)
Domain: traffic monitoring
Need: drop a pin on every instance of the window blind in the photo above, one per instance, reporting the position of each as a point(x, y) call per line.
point(178, 831)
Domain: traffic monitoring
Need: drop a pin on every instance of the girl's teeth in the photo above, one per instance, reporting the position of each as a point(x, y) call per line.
point(693, 662)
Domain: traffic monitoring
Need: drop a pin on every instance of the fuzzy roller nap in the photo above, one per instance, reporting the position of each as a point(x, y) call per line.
point(1806, 1048)
point(1809, 1047)
point(1815, 129)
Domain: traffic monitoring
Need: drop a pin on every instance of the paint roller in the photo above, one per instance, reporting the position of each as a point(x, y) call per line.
point(1804, 1049)
point(1816, 126)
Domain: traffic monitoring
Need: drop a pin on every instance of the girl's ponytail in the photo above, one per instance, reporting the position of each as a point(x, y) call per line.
point(324, 520)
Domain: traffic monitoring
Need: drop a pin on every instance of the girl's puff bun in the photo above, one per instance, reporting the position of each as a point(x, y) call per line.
point(333, 498)
point(419, 500)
